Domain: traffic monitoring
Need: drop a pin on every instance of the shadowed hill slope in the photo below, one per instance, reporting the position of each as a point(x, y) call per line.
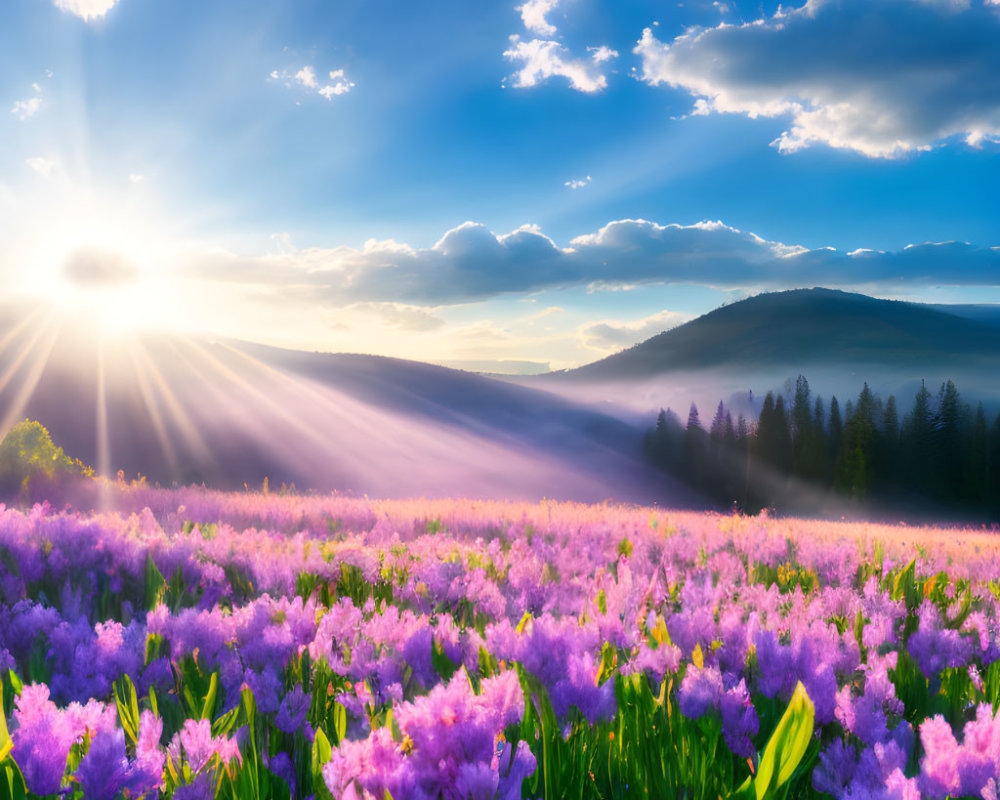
point(808, 326)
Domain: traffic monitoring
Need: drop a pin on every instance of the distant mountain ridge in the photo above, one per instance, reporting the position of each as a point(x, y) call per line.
point(806, 326)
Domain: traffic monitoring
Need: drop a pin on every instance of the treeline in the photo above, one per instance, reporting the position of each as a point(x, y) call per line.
point(942, 450)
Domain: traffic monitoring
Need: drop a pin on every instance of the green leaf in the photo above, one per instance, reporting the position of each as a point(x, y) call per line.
point(15, 681)
point(128, 707)
point(321, 754)
point(154, 706)
point(225, 723)
point(12, 783)
point(6, 745)
point(786, 746)
point(339, 721)
point(208, 707)
point(156, 586)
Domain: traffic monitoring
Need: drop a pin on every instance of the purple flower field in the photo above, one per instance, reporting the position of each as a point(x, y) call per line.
point(195, 644)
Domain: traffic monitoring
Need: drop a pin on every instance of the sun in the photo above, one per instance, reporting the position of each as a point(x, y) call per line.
point(97, 263)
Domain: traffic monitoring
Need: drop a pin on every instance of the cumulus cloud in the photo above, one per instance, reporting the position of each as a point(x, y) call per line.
point(43, 166)
point(601, 54)
point(470, 262)
point(338, 85)
point(606, 335)
point(94, 267)
point(541, 60)
point(334, 85)
point(27, 108)
point(399, 315)
point(882, 79)
point(87, 9)
point(307, 77)
point(23, 109)
point(577, 183)
point(533, 16)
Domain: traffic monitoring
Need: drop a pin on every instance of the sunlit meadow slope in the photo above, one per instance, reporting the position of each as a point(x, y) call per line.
point(204, 644)
point(189, 409)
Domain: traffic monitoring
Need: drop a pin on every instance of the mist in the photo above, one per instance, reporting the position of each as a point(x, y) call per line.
point(185, 410)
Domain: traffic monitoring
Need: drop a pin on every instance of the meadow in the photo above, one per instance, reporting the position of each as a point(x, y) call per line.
point(199, 644)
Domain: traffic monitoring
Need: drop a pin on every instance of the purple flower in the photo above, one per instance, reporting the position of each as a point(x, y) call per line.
point(960, 769)
point(739, 720)
point(104, 771)
point(198, 747)
point(935, 647)
point(701, 690)
point(292, 712)
point(448, 748)
point(44, 735)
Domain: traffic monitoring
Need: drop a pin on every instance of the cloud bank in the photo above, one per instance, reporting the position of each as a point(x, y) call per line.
point(471, 263)
point(882, 79)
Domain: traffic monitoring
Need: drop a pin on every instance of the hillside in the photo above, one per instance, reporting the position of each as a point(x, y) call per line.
point(185, 409)
point(805, 328)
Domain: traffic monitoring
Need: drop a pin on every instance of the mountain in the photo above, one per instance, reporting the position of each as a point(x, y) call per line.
point(189, 409)
point(988, 313)
point(805, 329)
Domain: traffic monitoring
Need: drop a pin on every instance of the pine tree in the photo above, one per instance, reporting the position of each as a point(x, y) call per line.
point(728, 431)
point(856, 468)
point(803, 440)
point(783, 436)
point(717, 431)
point(836, 432)
point(695, 448)
point(976, 473)
point(916, 443)
point(889, 444)
point(948, 425)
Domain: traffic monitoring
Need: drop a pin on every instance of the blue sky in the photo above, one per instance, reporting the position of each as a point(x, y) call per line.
point(222, 165)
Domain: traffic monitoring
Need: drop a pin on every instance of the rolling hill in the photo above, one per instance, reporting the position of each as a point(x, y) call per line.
point(808, 328)
point(184, 409)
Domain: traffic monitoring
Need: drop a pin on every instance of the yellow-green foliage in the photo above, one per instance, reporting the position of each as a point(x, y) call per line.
point(27, 453)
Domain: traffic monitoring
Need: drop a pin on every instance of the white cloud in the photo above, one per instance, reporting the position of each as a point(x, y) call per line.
point(602, 54)
point(136, 178)
point(43, 166)
point(23, 109)
point(882, 79)
point(399, 315)
point(307, 77)
point(611, 335)
point(541, 60)
point(340, 85)
point(533, 15)
point(27, 108)
point(87, 9)
point(470, 263)
point(577, 184)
